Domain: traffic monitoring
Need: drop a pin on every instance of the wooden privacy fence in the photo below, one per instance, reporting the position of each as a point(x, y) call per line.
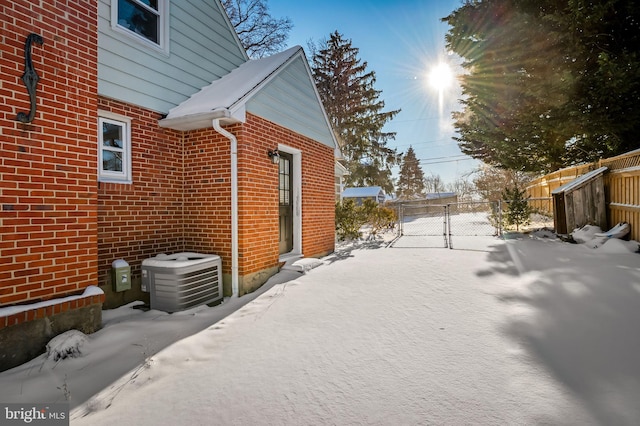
point(621, 188)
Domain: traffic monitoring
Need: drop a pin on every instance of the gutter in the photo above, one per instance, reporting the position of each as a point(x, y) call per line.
point(225, 113)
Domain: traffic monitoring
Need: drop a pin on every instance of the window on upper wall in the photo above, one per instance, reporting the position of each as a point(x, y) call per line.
point(145, 20)
point(114, 152)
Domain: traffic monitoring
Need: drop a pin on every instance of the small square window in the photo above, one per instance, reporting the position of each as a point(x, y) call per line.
point(145, 20)
point(114, 152)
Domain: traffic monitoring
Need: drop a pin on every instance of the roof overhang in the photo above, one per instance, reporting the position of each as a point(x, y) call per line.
point(203, 120)
point(226, 98)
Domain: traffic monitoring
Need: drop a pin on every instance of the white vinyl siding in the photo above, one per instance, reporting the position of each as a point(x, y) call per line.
point(290, 100)
point(201, 47)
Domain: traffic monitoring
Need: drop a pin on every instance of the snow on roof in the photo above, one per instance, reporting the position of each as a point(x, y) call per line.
point(579, 181)
point(438, 195)
point(366, 191)
point(232, 89)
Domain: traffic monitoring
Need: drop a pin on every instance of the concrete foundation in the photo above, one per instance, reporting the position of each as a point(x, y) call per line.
point(22, 342)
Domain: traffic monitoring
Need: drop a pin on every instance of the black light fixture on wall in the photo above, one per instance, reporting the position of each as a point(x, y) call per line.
point(274, 155)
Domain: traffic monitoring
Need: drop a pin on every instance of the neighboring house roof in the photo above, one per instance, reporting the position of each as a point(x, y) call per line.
point(363, 192)
point(579, 181)
point(438, 195)
point(229, 96)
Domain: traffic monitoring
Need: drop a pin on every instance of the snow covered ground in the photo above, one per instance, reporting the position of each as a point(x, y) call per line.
point(527, 330)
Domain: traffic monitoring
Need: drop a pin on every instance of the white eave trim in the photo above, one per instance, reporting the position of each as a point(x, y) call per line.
point(203, 120)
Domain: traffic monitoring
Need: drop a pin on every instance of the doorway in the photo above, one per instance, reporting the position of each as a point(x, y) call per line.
point(286, 199)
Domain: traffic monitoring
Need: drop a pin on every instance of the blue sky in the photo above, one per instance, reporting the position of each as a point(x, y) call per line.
point(400, 41)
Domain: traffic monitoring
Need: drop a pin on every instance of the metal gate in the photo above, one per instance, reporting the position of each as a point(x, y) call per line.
point(426, 222)
point(473, 219)
point(440, 225)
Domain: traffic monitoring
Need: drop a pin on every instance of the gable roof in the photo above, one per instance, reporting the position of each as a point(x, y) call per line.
point(228, 96)
point(233, 89)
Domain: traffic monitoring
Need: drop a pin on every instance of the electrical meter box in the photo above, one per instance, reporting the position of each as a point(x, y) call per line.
point(121, 275)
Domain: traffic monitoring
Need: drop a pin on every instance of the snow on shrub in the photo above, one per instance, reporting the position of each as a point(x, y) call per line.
point(66, 345)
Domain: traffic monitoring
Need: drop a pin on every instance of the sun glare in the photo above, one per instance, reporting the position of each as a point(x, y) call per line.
point(440, 77)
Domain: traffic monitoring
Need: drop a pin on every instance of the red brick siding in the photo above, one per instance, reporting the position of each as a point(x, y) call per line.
point(143, 218)
point(49, 311)
point(207, 198)
point(48, 198)
point(259, 195)
point(318, 201)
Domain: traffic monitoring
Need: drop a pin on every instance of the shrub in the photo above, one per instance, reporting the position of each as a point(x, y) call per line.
point(350, 218)
point(382, 218)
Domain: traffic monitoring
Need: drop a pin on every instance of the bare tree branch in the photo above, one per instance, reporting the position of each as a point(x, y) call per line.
point(260, 34)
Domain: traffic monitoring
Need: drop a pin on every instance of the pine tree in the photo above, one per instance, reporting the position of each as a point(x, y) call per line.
point(547, 84)
point(411, 179)
point(518, 209)
point(355, 112)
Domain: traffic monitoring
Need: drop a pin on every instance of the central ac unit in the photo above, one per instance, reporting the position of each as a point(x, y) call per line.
point(182, 280)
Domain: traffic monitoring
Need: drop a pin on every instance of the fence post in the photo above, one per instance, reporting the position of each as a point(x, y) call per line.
point(447, 225)
point(499, 218)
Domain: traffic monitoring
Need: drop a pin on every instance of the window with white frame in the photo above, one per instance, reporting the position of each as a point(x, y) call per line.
point(145, 20)
point(114, 152)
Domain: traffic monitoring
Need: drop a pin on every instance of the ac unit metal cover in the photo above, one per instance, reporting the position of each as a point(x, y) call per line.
point(182, 280)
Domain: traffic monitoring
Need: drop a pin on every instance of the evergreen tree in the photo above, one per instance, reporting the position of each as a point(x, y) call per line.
point(411, 179)
point(518, 209)
point(355, 112)
point(547, 83)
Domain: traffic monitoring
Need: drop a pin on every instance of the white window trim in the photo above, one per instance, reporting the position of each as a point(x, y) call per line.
point(163, 37)
point(125, 176)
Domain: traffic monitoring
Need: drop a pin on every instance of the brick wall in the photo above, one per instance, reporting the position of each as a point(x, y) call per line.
point(48, 191)
point(318, 203)
point(207, 196)
point(141, 219)
point(259, 195)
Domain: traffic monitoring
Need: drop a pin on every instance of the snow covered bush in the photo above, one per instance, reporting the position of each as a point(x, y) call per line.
point(66, 345)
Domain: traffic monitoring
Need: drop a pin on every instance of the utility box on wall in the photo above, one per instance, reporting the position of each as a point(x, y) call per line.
point(121, 275)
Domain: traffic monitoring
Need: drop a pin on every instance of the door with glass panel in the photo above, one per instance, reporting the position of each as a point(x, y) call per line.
point(286, 202)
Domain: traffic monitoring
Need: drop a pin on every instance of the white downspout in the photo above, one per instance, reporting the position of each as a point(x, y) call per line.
point(234, 204)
